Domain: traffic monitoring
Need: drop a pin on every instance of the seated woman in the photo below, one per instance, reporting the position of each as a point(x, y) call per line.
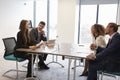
point(23, 41)
point(98, 32)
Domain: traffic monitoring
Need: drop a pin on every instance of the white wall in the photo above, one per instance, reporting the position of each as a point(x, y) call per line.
point(66, 20)
point(11, 13)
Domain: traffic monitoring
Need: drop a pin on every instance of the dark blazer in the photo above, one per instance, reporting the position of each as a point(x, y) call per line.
point(21, 44)
point(111, 54)
point(35, 39)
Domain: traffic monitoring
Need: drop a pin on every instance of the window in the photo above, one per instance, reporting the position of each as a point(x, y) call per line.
point(107, 13)
point(101, 12)
point(53, 19)
point(46, 10)
point(87, 20)
point(41, 12)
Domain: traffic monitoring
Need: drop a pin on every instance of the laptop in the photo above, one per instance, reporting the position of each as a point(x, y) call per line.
point(52, 41)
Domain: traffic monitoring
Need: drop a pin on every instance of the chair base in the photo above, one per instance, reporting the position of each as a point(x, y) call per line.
point(5, 74)
point(55, 60)
point(56, 63)
point(32, 78)
point(100, 75)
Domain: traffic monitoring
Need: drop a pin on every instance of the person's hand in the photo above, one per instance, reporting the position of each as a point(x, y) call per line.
point(32, 47)
point(42, 32)
point(91, 56)
point(93, 46)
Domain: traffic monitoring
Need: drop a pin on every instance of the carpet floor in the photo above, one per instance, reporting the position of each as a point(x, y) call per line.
point(56, 72)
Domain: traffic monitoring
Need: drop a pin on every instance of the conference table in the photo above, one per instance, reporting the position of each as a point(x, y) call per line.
point(71, 51)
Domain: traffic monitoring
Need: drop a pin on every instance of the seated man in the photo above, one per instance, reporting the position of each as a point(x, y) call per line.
point(36, 36)
point(108, 58)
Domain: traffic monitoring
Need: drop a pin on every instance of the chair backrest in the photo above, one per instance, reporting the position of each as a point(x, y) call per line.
point(9, 44)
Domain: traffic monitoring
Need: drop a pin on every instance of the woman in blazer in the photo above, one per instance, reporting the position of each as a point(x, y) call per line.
point(23, 41)
point(98, 32)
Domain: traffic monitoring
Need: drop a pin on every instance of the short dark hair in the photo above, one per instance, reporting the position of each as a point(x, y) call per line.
point(42, 22)
point(114, 26)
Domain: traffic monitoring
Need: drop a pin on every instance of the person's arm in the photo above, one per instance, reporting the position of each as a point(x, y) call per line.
point(95, 47)
point(99, 49)
point(92, 55)
point(99, 44)
point(33, 37)
point(43, 36)
point(111, 49)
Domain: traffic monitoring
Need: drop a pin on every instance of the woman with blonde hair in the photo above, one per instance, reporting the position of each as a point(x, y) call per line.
point(98, 33)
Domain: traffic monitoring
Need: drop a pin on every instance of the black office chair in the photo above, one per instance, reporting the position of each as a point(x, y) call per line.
point(9, 44)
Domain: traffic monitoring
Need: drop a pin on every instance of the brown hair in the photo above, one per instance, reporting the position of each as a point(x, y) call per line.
point(99, 30)
point(114, 26)
point(24, 31)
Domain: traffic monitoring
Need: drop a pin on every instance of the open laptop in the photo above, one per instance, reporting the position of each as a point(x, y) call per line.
point(52, 41)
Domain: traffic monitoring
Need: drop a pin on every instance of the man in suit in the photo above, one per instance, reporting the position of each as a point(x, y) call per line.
point(37, 35)
point(108, 58)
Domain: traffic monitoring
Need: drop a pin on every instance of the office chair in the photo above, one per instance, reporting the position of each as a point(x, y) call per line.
point(116, 75)
point(9, 44)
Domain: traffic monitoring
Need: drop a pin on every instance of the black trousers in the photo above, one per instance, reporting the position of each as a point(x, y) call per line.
point(44, 56)
point(92, 69)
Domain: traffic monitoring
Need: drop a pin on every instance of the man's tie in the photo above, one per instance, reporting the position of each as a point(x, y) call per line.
point(109, 41)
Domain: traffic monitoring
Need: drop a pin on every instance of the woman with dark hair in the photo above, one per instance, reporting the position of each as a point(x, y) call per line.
point(98, 33)
point(23, 41)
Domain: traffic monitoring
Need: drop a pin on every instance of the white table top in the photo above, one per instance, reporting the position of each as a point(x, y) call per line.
point(64, 49)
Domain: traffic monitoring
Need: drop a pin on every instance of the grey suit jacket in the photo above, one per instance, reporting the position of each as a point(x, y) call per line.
point(35, 38)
